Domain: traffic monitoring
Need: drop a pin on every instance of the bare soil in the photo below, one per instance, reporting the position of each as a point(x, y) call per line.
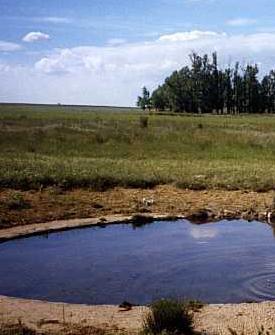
point(23, 208)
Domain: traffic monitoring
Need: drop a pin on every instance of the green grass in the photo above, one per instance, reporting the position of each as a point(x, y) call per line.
point(168, 317)
point(101, 147)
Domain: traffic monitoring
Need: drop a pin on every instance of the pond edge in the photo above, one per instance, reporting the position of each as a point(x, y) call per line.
point(18, 232)
point(200, 216)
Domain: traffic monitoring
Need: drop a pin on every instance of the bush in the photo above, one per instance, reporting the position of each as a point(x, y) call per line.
point(168, 317)
point(144, 120)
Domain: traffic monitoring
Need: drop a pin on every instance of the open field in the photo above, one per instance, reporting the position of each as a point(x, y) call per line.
point(85, 147)
point(56, 160)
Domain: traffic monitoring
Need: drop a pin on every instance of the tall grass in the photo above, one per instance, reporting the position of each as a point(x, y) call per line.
point(168, 317)
point(71, 147)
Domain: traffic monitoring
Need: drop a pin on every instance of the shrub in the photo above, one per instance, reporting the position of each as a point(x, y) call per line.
point(144, 120)
point(168, 317)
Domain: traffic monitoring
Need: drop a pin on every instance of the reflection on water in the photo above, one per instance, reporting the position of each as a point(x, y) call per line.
point(217, 262)
point(203, 232)
point(272, 225)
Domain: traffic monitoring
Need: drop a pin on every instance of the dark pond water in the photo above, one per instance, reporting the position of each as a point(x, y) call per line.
point(219, 262)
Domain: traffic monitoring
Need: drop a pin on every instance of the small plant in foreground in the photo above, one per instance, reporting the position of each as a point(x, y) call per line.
point(16, 329)
point(168, 317)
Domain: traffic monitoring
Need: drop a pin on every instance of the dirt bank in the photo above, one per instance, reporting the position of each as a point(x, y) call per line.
point(211, 319)
point(29, 207)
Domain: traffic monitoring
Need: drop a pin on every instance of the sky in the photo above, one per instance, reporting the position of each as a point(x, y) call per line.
point(102, 52)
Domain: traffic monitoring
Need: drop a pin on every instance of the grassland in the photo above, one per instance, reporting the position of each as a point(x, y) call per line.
point(101, 148)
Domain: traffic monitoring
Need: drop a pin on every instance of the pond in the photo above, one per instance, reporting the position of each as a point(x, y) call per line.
point(216, 263)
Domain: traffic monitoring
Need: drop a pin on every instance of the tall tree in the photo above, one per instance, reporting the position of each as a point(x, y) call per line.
point(144, 101)
point(205, 88)
point(159, 99)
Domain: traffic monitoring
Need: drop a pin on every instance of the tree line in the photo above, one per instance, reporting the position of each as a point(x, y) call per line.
point(204, 87)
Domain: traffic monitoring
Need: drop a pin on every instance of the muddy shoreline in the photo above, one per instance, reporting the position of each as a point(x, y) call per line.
point(25, 208)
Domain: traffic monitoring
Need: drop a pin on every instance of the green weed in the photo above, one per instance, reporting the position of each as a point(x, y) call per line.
point(168, 317)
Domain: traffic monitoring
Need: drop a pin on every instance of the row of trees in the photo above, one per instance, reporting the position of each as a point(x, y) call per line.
point(205, 88)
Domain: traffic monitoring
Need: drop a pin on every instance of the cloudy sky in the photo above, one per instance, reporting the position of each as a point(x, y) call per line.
point(102, 52)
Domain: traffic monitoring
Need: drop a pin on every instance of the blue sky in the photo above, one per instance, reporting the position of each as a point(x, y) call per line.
point(104, 51)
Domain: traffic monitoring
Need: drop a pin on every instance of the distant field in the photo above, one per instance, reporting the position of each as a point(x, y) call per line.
point(101, 147)
point(59, 108)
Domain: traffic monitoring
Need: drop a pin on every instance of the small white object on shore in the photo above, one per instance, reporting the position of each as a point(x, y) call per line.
point(148, 201)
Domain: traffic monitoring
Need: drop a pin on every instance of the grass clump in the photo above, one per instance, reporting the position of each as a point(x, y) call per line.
point(16, 329)
point(66, 329)
point(17, 202)
point(144, 121)
point(168, 317)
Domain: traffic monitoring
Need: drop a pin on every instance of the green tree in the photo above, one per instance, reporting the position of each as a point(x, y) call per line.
point(144, 101)
point(159, 99)
point(268, 92)
point(203, 87)
point(251, 89)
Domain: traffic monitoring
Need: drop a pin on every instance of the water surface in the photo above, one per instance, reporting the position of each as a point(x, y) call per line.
point(216, 263)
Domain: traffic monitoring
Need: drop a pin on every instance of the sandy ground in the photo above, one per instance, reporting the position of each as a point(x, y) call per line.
point(211, 319)
point(47, 316)
point(244, 318)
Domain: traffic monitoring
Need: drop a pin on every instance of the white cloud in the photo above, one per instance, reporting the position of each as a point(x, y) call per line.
point(35, 36)
point(241, 22)
point(54, 19)
point(144, 58)
point(8, 46)
point(187, 36)
point(203, 232)
point(114, 74)
point(116, 41)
